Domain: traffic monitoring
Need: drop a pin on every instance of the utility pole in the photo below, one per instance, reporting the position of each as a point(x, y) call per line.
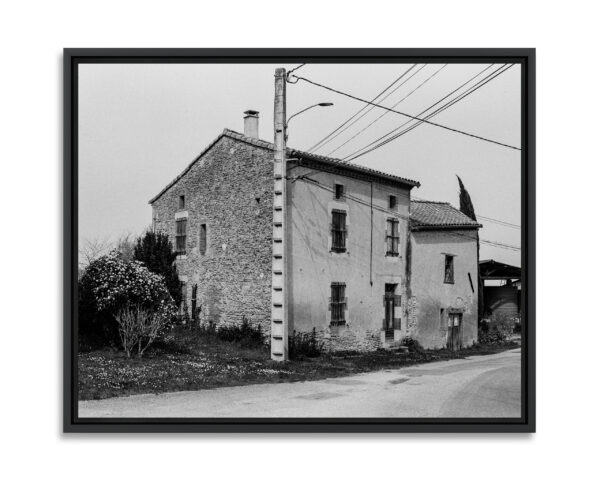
point(279, 316)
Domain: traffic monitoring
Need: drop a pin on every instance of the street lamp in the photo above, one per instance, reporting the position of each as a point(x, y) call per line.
point(322, 104)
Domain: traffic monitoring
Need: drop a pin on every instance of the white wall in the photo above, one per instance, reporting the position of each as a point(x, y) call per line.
point(32, 37)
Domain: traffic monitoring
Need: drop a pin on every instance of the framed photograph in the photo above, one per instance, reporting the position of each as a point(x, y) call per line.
point(299, 240)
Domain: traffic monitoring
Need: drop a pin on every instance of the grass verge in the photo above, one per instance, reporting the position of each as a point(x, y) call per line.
point(188, 361)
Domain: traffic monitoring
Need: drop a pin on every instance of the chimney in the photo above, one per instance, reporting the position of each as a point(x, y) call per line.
point(251, 123)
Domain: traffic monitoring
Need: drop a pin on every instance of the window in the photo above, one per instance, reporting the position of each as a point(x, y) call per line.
point(442, 321)
point(338, 303)
point(202, 243)
point(194, 302)
point(339, 191)
point(183, 303)
point(181, 202)
point(449, 269)
point(180, 235)
point(338, 231)
point(393, 201)
point(392, 237)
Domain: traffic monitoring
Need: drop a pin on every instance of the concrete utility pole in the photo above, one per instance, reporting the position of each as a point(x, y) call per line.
point(279, 317)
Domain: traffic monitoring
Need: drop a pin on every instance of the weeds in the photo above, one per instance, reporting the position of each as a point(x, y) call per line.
point(304, 345)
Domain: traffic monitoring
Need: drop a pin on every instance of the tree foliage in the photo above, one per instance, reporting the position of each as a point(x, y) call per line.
point(156, 252)
point(466, 207)
point(109, 285)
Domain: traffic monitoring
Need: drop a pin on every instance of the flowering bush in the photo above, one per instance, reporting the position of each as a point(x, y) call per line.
point(109, 285)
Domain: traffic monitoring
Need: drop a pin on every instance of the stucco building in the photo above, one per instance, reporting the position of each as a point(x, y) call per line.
point(366, 266)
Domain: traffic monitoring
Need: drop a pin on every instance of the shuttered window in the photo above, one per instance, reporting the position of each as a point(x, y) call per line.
point(202, 242)
point(180, 235)
point(338, 231)
point(449, 269)
point(392, 237)
point(338, 303)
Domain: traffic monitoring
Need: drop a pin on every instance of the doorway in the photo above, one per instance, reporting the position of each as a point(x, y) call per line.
point(454, 341)
point(389, 302)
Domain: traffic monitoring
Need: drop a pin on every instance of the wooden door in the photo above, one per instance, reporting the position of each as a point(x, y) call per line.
point(454, 340)
point(390, 311)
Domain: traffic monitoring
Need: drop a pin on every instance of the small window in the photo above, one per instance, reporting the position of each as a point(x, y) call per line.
point(195, 302)
point(338, 231)
point(338, 303)
point(183, 303)
point(202, 243)
point(181, 202)
point(449, 269)
point(392, 237)
point(339, 191)
point(442, 321)
point(393, 202)
point(180, 235)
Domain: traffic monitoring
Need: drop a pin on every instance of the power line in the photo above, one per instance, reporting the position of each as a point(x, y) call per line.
point(294, 69)
point(393, 106)
point(404, 217)
point(420, 113)
point(447, 105)
point(325, 140)
point(455, 130)
point(489, 219)
point(355, 154)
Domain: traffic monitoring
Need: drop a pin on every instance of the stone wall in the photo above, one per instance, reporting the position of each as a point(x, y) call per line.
point(230, 190)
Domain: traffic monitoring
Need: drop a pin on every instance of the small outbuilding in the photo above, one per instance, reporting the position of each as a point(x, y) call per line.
point(501, 289)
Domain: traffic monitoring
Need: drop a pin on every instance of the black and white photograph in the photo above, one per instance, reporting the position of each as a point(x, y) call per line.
point(300, 238)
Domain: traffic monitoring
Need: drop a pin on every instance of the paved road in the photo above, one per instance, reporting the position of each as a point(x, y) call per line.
point(479, 386)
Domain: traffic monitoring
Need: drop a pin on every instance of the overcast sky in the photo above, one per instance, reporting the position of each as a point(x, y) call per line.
point(141, 125)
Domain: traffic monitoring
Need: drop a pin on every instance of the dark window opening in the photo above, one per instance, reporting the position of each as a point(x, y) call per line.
point(338, 231)
point(449, 269)
point(392, 237)
point(194, 302)
point(202, 243)
point(181, 201)
point(339, 191)
point(183, 303)
point(338, 303)
point(442, 321)
point(393, 202)
point(180, 235)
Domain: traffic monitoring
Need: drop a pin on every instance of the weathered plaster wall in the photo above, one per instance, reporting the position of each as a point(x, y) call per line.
point(221, 190)
point(429, 293)
point(312, 267)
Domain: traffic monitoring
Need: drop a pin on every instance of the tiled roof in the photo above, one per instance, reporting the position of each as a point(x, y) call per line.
point(292, 154)
point(427, 215)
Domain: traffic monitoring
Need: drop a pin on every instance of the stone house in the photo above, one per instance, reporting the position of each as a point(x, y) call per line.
point(366, 265)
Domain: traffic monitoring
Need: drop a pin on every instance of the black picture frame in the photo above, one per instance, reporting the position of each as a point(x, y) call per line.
point(73, 57)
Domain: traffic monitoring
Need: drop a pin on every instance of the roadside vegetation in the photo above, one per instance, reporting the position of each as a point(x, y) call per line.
point(190, 358)
point(132, 340)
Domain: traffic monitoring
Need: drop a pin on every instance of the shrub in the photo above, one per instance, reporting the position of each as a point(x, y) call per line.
point(413, 345)
point(138, 328)
point(110, 285)
point(304, 345)
point(156, 252)
point(497, 330)
point(247, 335)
